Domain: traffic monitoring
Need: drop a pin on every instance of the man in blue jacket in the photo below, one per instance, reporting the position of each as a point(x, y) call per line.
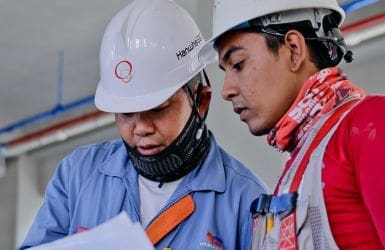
point(167, 171)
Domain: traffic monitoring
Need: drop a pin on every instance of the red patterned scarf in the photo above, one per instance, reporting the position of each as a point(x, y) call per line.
point(320, 93)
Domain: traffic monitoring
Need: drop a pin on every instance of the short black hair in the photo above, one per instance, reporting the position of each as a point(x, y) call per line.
point(319, 53)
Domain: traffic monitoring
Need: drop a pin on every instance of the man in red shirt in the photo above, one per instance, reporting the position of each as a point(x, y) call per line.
point(280, 61)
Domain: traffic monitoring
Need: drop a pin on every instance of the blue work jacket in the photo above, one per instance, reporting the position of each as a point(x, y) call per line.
point(97, 182)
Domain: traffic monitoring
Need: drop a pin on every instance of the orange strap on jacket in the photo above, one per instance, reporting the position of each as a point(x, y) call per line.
point(170, 218)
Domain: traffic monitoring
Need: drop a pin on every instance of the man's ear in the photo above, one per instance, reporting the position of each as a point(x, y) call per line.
point(295, 42)
point(205, 99)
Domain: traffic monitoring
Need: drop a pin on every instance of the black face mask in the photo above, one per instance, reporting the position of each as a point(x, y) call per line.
point(182, 156)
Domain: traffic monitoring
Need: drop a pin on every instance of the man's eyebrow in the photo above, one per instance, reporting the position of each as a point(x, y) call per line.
point(227, 55)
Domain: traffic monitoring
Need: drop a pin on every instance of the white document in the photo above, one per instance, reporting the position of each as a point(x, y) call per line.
point(119, 233)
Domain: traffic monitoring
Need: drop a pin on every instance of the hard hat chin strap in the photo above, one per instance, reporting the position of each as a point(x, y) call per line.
point(196, 101)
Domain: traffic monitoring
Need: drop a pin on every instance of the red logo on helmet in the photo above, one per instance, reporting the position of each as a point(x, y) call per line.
point(123, 71)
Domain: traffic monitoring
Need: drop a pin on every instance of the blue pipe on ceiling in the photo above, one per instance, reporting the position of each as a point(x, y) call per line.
point(356, 4)
point(57, 110)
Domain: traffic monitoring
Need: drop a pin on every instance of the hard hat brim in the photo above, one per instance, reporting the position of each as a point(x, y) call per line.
point(120, 104)
point(208, 53)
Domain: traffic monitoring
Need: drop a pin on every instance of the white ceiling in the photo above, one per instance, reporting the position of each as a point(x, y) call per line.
point(34, 31)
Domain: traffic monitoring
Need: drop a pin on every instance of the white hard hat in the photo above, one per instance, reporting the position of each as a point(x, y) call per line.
point(148, 52)
point(230, 13)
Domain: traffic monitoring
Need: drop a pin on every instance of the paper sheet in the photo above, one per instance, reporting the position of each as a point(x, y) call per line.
point(119, 233)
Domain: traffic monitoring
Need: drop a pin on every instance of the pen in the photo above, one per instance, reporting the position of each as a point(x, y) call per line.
point(269, 222)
